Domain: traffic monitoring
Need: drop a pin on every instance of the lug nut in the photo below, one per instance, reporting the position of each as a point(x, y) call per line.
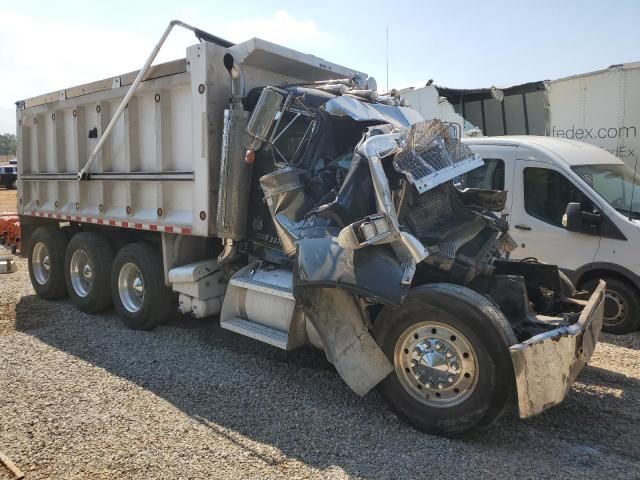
point(440, 386)
point(438, 346)
point(448, 355)
point(428, 385)
point(454, 366)
point(450, 379)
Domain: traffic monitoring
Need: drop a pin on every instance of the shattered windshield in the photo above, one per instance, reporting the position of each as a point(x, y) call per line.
point(291, 139)
point(617, 184)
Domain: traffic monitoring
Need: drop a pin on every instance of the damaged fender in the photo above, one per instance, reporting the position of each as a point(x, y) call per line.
point(325, 279)
point(349, 346)
point(374, 272)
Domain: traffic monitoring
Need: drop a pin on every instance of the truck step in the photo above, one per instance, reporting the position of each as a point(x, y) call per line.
point(278, 284)
point(257, 331)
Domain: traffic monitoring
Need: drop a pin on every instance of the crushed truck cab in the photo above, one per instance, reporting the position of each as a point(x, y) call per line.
point(286, 195)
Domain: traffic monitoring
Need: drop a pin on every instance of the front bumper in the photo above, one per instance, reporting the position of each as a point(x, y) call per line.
point(546, 365)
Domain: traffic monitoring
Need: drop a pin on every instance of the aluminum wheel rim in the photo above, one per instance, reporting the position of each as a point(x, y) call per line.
point(41, 263)
point(619, 310)
point(131, 287)
point(436, 364)
point(81, 273)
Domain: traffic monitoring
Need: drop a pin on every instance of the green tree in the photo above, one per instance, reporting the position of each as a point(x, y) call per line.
point(7, 144)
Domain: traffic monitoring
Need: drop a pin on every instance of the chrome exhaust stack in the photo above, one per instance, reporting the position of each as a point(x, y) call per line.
point(235, 174)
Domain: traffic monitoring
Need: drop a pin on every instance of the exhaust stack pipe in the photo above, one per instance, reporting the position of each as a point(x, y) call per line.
point(237, 80)
point(235, 173)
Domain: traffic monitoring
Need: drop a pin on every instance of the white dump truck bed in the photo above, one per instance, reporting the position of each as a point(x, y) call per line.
point(159, 168)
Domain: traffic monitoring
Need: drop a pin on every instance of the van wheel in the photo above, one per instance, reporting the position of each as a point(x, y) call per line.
point(450, 349)
point(47, 250)
point(137, 287)
point(88, 272)
point(621, 306)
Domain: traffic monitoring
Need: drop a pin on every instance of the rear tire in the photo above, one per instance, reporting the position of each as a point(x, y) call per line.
point(47, 251)
point(621, 306)
point(88, 272)
point(450, 349)
point(137, 287)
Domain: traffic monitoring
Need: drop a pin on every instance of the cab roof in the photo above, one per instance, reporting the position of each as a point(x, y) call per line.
point(571, 152)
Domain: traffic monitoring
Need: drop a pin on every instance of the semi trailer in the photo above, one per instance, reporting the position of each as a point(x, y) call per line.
point(284, 194)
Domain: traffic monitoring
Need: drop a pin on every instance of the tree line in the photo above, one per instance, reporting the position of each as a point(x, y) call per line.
point(7, 144)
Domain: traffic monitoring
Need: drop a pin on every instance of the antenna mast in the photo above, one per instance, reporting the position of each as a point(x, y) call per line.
point(387, 58)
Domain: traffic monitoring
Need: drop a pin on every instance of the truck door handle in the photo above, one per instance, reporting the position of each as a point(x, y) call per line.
point(523, 227)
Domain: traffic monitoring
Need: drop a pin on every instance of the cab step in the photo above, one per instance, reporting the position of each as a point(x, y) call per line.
point(259, 304)
point(276, 282)
point(257, 331)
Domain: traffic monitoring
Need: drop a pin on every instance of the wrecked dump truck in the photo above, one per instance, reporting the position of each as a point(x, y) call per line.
point(284, 194)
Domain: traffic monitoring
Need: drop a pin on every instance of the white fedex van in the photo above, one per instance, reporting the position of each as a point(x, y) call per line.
point(574, 205)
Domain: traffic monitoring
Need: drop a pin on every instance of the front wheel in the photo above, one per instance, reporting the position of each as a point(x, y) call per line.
point(450, 351)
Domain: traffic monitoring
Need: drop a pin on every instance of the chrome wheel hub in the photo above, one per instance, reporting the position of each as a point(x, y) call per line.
point(131, 287)
point(615, 308)
point(81, 273)
point(41, 263)
point(436, 364)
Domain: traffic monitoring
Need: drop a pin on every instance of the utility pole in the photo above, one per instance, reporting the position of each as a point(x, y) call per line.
point(387, 58)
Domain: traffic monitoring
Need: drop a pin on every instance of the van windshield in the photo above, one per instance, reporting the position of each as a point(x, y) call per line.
point(615, 184)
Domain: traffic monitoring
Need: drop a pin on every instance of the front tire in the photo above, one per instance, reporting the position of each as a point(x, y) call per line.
point(47, 251)
point(621, 306)
point(450, 349)
point(88, 272)
point(137, 287)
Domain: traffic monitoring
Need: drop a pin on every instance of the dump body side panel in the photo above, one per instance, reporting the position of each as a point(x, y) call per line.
point(157, 170)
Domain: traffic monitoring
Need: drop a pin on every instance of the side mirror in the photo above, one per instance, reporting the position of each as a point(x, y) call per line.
point(577, 220)
point(263, 117)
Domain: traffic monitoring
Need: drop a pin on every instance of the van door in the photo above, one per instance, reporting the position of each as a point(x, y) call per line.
point(497, 173)
point(540, 196)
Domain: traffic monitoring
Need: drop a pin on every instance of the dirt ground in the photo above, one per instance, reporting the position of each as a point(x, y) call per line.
point(7, 200)
point(81, 396)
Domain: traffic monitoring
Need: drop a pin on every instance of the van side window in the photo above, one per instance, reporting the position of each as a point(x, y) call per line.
point(490, 176)
point(547, 192)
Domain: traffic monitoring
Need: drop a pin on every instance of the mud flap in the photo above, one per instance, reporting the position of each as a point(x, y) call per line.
point(348, 345)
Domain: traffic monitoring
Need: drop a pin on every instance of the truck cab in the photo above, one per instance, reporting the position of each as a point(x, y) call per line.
point(573, 205)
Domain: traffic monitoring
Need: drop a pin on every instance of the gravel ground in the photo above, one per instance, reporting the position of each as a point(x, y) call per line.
point(83, 397)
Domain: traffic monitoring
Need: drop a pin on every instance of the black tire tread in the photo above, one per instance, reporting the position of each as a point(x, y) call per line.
point(101, 257)
point(496, 319)
point(56, 243)
point(157, 304)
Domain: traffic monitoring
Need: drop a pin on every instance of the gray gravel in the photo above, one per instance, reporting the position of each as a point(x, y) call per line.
point(83, 397)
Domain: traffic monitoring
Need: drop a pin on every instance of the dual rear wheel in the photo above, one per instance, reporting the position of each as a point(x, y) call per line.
point(95, 277)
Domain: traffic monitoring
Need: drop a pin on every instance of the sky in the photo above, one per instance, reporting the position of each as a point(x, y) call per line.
point(51, 45)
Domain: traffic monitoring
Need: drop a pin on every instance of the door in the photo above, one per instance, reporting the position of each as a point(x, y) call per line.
point(496, 173)
point(540, 196)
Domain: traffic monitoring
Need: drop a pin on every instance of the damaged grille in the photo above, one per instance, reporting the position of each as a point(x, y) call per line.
point(431, 155)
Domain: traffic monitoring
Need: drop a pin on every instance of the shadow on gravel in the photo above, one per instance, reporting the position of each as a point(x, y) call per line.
point(630, 340)
point(297, 403)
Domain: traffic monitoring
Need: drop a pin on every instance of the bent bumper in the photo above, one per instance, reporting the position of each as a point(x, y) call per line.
point(546, 365)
